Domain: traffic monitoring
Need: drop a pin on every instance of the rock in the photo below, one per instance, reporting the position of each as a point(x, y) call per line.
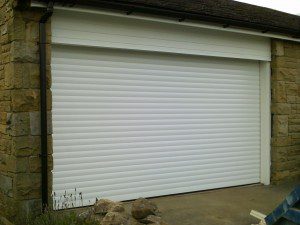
point(107, 212)
point(95, 218)
point(90, 216)
point(141, 208)
point(84, 215)
point(154, 220)
point(104, 206)
point(133, 221)
point(115, 218)
point(150, 219)
point(117, 207)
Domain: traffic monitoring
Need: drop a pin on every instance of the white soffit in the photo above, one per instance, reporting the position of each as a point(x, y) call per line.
point(97, 30)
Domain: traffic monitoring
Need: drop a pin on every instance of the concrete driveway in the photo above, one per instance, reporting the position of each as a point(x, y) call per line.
point(230, 206)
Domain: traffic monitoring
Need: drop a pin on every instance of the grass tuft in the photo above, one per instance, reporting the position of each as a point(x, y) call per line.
point(53, 218)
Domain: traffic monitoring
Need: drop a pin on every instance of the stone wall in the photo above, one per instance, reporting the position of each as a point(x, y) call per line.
point(285, 111)
point(20, 167)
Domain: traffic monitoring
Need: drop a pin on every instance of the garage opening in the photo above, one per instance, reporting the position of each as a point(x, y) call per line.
point(129, 124)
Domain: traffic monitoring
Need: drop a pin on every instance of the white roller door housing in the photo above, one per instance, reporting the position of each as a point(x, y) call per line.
point(143, 109)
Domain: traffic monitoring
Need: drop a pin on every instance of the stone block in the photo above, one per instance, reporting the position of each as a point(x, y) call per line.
point(281, 108)
point(17, 76)
point(6, 185)
point(6, 53)
point(19, 124)
point(298, 108)
point(292, 53)
point(279, 175)
point(291, 45)
point(5, 145)
point(292, 89)
point(21, 165)
point(288, 165)
point(3, 117)
point(35, 123)
point(31, 206)
point(3, 129)
point(282, 150)
point(32, 31)
point(9, 76)
point(30, 15)
point(50, 162)
point(294, 121)
point(16, 29)
point(4, 28)
point(27, 180)
point(277, 48)
point(5, 95)
point(5, 39)
point(285, 62)
point(281, 141)
point(25, 100)
point(25, 193)
point(298, 80)
point(7, 163)
point(284, 74)
point(24, 52)
point(27, 186)
point(279, 93)
point(5, 106)
point(294, 128)
point(2, 14)
point(278, 156)
point(292, 99)
point(34, 76)
point(34, 164)
point(26, 146)
point(296, 142)
point(6, 57)
point(280, 125)
point(294, 150)
point(1, 73)
point(296, 136)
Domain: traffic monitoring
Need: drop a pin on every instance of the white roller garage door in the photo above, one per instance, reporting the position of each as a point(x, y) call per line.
point(128, 124)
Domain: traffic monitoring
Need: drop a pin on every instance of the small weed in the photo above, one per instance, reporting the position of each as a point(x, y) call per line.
point(59, 215)
point(68, 200)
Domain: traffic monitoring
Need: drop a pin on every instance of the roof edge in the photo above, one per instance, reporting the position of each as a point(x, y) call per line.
point(181, 15)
